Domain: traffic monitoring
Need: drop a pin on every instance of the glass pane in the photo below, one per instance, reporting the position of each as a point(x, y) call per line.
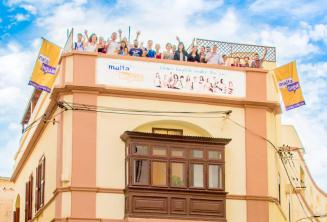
point(214, 155)
point(177, 175)
point(159, 173)
point(215, 176)
point(177, 153)
point(197, 153)
point(159, 151)
point(140, 150)
point(175, 132)
point(197, 175)
point(141, 172)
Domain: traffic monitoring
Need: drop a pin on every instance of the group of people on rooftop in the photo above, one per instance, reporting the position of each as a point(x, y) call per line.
point(120, 46)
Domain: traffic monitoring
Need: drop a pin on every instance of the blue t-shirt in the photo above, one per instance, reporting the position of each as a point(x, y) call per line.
point(150, 53)
point(136, 52)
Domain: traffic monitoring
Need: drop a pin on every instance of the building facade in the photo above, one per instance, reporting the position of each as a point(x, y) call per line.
point(6, 199)
point(134, 139)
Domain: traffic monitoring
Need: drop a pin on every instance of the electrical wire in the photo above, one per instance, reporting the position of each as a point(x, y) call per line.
point(279, 152)
point(137, 112)
point(105, 108)
point(43, 118)
point(315, 216)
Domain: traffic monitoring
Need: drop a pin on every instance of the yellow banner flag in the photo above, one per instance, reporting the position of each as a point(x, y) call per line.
point(44, 72)
point(289, 86)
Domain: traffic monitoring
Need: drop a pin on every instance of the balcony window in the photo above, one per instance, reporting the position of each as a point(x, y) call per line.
point(197, 175)
point(177, 177)
point(141, 172)
point(174, 176)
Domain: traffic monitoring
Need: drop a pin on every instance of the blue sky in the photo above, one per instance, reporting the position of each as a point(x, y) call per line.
point(297, 28)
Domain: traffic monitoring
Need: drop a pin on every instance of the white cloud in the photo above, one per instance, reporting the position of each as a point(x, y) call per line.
point(7, 153)
point(319, 32)
point(290, 44)
point(21, 17)
point(30, 8)
point(16, 66)
point(290, 8)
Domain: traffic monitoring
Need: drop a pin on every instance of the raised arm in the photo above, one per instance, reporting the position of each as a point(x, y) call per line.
point(192, 45)
point(138, 33)
point(86, 35)
point(178, 40)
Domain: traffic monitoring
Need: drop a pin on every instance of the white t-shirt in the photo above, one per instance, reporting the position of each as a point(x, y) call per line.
point(214, 58)
point(113, 47)
point(90, 47)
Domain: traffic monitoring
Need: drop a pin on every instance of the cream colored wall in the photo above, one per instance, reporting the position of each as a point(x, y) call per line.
point(236, 210)
point(111, 149)
point(48, 214)
point(6, 200)
point(315, 198)
point(276, 215)
point(47, 146)
point(66, 204)
point(110, 205)
point(275, 168)
point(67, 144)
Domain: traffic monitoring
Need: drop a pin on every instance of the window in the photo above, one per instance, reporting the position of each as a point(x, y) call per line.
point(159, 173)
point(40, 184)
point(159, 151)
point(141, 172)
point(197, 175)
point(28, 199)
point(174, 176)
point(167, 131)
point(197, 154)
point(177, 177)
point(215, 176)
point(160, 164)
point(214, 155)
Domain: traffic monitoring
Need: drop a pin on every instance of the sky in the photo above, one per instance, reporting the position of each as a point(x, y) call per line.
point(297, 28)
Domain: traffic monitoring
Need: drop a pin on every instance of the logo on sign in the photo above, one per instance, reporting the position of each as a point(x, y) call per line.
point(48, 69)
point(43, 59)
point(293, 86)
point(284, 83)
point(118, 67)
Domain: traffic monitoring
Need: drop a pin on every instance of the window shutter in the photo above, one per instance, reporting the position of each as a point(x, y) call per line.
point(17, 214)
point(42, 185)
point(37, 189)
point(26, 200)
point(31, 197)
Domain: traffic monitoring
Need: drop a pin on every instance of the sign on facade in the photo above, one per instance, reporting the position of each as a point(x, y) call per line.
point(170, 77)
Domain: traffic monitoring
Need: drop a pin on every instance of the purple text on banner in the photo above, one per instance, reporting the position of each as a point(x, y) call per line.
point(293, 86)
point(48, 69)
point(295, 105)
